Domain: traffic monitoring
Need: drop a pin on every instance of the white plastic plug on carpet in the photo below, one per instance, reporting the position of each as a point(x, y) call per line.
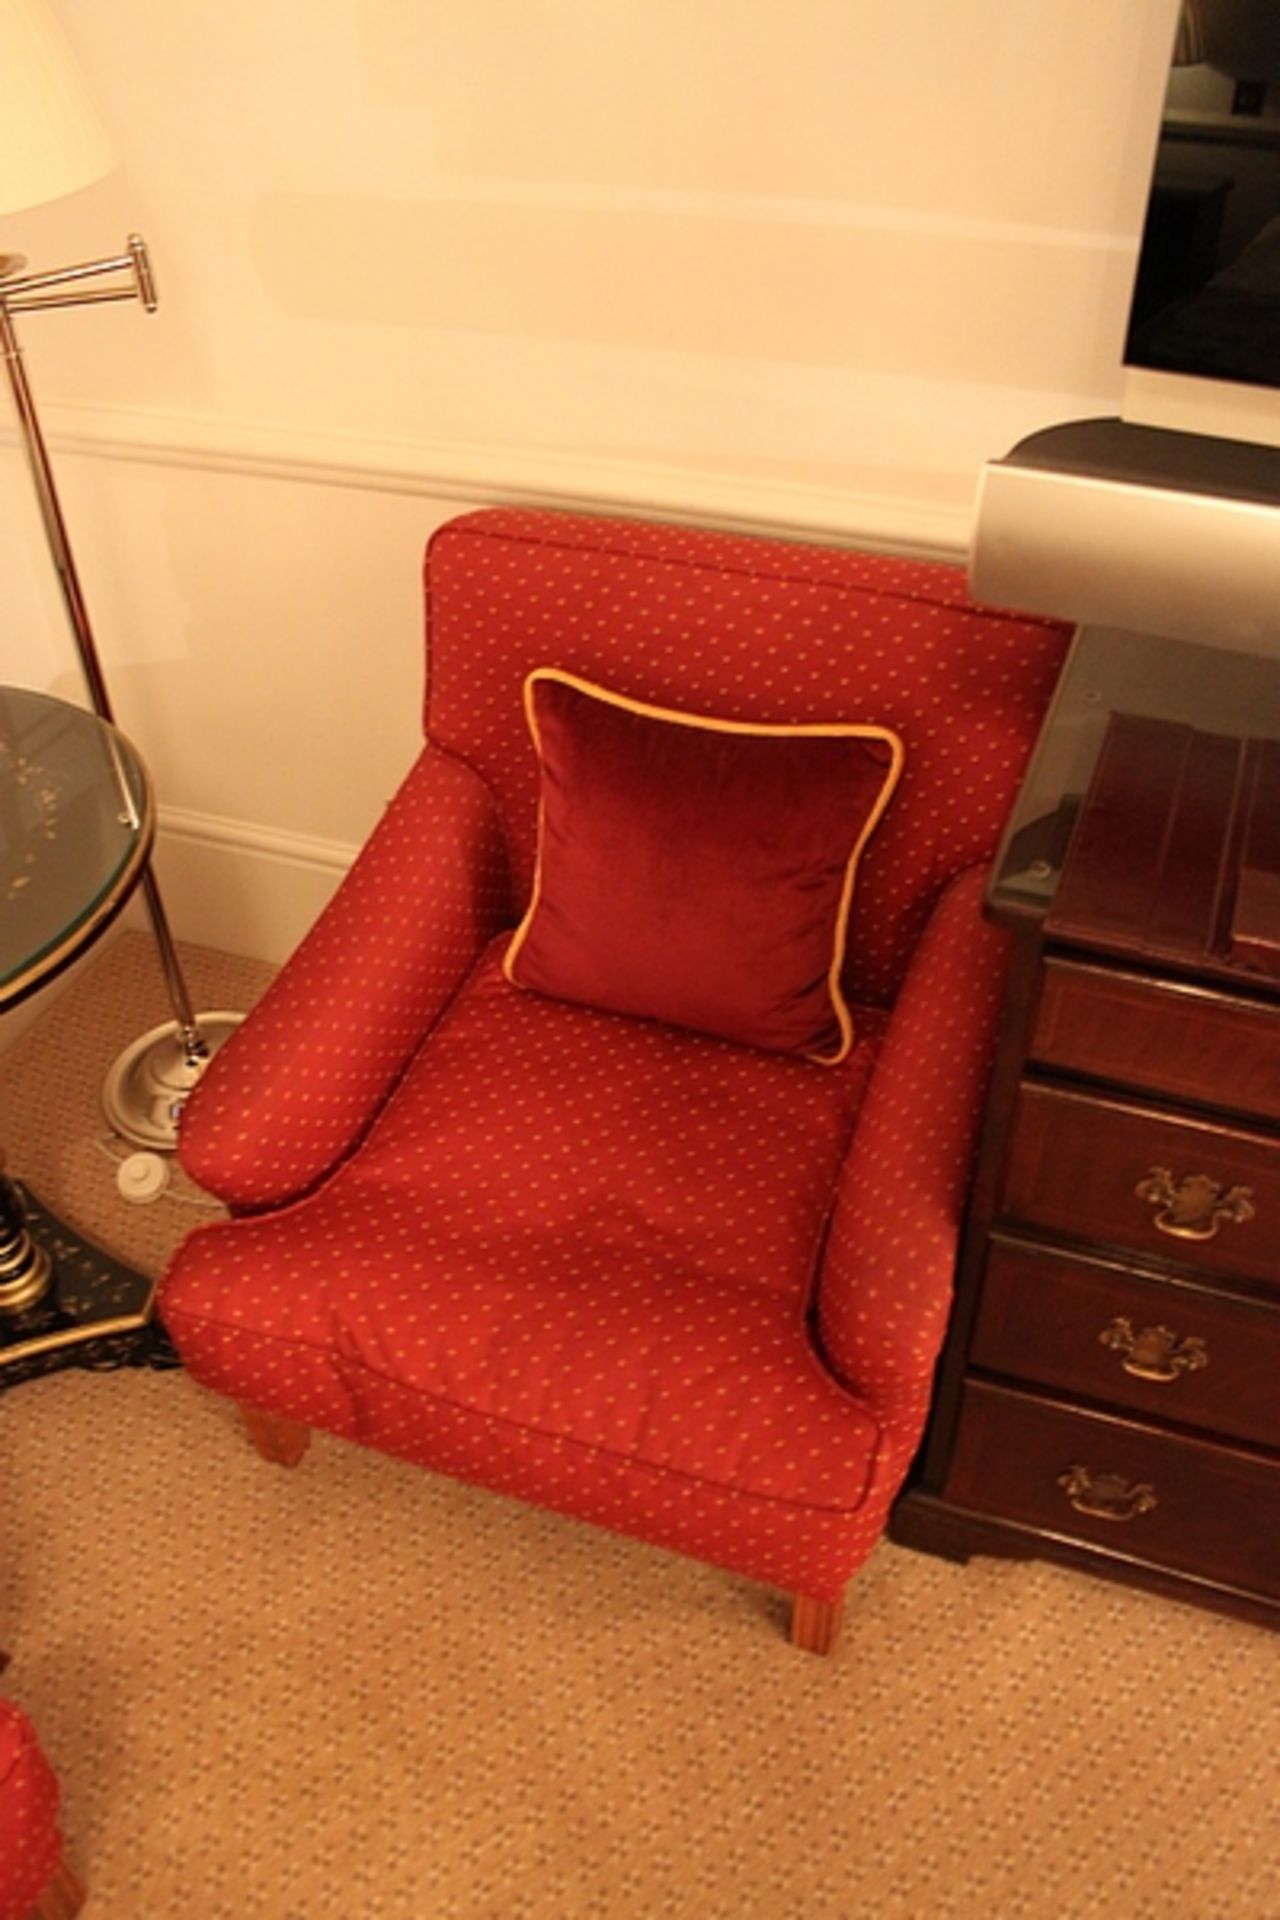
point(142, 1177)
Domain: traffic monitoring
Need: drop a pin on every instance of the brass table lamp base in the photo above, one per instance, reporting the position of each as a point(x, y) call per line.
point(25, 1266)
point(63, 1302)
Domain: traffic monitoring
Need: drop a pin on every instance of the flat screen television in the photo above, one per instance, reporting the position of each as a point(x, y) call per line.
point(1202, 352)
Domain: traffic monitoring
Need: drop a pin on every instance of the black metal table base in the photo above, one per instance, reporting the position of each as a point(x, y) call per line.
point(96, 1313)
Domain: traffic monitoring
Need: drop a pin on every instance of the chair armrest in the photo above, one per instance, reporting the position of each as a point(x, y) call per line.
point(885, 1286)
point(293, 1091)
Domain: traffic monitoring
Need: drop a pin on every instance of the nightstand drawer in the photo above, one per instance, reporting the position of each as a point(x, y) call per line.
point(1173, 1502)
point(1157, 1036)
point(1097, 1331)
point(1144, 1179)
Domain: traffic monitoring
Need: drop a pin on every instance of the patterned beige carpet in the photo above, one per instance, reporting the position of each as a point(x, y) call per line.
point(355, 1689)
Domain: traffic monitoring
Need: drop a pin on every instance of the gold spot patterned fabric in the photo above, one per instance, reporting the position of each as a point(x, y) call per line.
point(656, 1279)
point(334, 1030)
point(747, 629)
point(30, 1844)
point(885, 1291)
point(575, 1246)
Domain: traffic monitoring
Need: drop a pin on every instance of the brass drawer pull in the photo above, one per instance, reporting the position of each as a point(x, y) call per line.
point(1195, 1206)
point(1106, 1496)
point(1157, 1353)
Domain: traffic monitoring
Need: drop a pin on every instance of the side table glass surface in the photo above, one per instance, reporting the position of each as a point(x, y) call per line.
point(76, 823)
point(77, 820)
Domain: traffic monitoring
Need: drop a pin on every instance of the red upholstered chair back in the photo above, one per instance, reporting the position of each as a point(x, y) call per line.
point(745, 629)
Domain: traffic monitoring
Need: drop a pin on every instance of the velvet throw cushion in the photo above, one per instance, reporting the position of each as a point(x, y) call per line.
point(697, 871)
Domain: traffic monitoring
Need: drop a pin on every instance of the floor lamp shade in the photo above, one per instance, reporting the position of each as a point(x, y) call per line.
point(51, 138)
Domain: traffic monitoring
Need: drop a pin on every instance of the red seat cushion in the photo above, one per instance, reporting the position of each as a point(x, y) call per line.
point(589, 1229)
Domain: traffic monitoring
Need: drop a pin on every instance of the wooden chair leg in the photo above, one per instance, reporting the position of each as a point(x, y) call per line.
point(63, 1895)
point(276, 1437)
point(815, 1624)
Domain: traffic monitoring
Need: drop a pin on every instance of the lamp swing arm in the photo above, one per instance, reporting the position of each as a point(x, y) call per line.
point(143, 289)
point(28, 293)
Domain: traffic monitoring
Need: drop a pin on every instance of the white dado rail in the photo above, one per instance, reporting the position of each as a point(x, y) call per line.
point(490, 475)
point(246, 886)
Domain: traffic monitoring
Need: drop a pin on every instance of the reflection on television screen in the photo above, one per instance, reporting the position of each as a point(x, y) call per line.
point(1207, 295)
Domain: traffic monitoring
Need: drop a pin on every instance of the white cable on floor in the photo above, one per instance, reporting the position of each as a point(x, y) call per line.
point(142, 1177)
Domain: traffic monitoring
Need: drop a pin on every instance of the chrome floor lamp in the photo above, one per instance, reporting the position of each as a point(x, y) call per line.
point(51, 143)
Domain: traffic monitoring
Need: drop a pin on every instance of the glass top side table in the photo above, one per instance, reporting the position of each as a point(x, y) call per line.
point(76, 825)
point(77, 820)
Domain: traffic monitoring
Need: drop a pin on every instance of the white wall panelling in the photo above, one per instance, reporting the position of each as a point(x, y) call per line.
point(798, 265)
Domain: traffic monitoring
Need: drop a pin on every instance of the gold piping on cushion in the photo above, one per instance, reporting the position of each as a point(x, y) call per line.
point(706, 723)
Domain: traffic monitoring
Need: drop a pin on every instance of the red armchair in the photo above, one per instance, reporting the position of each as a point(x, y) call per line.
point(681, 1286)
point(36, 1882)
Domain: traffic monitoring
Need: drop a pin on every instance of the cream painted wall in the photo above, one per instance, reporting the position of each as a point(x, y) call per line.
point(795, 264)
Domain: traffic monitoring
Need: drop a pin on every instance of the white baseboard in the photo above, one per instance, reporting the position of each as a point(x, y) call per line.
point(225, 884)
point(242, 888)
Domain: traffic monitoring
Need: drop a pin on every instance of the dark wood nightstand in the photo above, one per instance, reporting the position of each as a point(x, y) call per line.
point(1110, 1391)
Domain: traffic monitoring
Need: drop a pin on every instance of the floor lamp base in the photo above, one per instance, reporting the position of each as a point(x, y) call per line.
point(146, 1087)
